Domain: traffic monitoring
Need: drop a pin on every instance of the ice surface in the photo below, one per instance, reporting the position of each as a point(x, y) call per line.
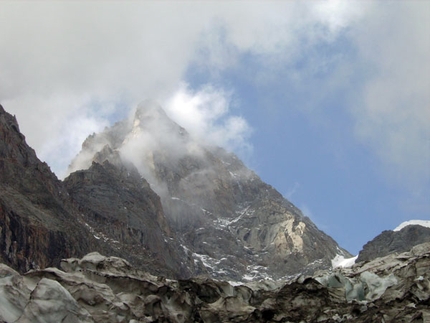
point(376, 285)
point(13, 295)
point(367, 286)
point(49, 301)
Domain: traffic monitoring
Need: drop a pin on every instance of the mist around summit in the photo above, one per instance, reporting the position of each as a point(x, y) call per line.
point(226, 219)
point(150, 128)
point(284, 135)
point(224, 245)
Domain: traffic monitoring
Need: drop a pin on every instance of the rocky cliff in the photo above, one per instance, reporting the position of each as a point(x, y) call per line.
point(121, 210)
point(43, 220)
point(228, 223)
point(38, 223)
point(392, 289)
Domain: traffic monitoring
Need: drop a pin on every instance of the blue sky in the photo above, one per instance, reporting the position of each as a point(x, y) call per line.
point(327, 101)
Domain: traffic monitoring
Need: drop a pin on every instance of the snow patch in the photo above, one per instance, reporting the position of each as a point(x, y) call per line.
point(204, 259)
point(209, 262)
point(341, 261)
point(234, 175)
point(98, 235)
point(255, 272)
point(224, 223)
point(423, 223)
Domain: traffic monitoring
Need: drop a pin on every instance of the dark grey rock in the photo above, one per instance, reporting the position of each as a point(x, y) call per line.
point(121, 209)
point(38, 223)
point(394, 241)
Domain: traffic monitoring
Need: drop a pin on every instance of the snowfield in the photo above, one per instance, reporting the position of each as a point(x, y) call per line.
point(341, 261)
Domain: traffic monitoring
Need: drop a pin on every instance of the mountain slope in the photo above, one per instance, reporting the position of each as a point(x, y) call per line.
point(122, 210)
point(230, 224)
point(38, 223)
point(43, 220)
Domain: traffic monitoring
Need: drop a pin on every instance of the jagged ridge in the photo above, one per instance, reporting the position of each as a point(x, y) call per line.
point(230, 224)
point(151, 193)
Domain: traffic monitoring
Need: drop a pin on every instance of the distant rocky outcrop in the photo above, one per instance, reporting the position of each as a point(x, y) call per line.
point(394, 241)
point(99, 289)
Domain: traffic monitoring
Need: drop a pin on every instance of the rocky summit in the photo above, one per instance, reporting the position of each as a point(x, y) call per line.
point(146, 190)
point(103, 289)
point(222, 219)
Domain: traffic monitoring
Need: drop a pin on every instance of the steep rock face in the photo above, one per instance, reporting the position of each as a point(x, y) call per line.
point(394, 241)
point(38, 225)
point(391, 289)
point(227, 221)
point(122, 210)
point(108, 208)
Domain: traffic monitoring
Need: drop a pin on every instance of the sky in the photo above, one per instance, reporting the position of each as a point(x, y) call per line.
point(326, 101)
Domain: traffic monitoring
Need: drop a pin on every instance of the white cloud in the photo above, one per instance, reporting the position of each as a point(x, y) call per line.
point(336, 15)
point(207, 115)
point(58, 58)
point(394, 115)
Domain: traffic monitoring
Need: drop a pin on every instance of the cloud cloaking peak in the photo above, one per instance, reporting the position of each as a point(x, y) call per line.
point(207, 115)
point(58, 58)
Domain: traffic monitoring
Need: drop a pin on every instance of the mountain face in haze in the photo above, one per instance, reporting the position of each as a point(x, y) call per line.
point(147, 182)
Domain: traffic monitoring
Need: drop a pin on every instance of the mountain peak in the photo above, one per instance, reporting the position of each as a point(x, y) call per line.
point(230, 224)
point(149, 109)
point(152, 118)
